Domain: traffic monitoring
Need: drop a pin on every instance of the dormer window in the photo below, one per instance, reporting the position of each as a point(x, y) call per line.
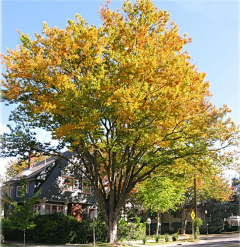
point(67, 183)
point(86, 186)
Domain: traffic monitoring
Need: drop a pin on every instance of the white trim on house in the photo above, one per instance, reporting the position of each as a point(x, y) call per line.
point(48, 208)
point(70, 184)
point(18, 195)
point(11, 192)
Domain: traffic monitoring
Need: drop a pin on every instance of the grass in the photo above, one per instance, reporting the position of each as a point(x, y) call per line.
point(79, 245)
point(9, 245)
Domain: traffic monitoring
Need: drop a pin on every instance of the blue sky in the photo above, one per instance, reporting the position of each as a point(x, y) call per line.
point(213, 26)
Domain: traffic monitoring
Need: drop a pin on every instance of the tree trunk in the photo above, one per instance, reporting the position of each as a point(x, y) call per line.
point(111, 215)
point(112, 231)
point(183, 222)
point(195, 231)
point(184, 218)
point(24, 237)
point(158, 221)
point(183, 226)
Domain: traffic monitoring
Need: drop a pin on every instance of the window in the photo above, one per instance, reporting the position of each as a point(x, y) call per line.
point(47, 209)
point(60, 209)
point(18, 193)
point(176, 216)
point(86, 186)
point(54, 209)
point(51, 209)
point(67, 183)
point(11, 192)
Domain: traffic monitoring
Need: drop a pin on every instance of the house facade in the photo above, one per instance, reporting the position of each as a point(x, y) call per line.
point(61, 189)
point(171, 222)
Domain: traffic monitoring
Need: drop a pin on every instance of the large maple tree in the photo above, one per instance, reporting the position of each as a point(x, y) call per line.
point(123, 96)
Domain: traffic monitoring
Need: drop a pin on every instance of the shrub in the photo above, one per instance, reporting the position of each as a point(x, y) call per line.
point(157, 238)
point(203, 230)
point(137, 230)
point(10, 234)
point(197, 223)
point(214, 230)
point(175, 237)
point(56, 228)
point(61, 229)
point(101, 230)
point(144, 239)
point(166, 238)
point(123, 231)
point(235, 228)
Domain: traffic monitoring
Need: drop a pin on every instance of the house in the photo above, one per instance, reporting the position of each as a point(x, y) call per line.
point(62, 190)
point(171, 222)
point(234, 220)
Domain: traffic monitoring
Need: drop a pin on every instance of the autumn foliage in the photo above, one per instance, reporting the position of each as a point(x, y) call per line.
point(124, 96)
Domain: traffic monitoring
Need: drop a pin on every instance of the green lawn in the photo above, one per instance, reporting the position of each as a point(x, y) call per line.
point(89, 245)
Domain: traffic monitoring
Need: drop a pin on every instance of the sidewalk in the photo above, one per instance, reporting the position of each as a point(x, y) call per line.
point(136, 243)
point(181, 238)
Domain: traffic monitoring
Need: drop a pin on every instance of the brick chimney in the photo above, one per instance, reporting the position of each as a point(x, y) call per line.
point(30, 161)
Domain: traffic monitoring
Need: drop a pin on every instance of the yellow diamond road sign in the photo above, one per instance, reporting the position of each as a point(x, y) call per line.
point(193, 215)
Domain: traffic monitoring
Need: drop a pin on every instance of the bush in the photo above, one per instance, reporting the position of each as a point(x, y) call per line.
point(137, 230)
point(101, 230)
point(175, 237)
point(56, 228)
point(157, 238)
point(197, 223)
point(166, 238)
point(59, 229)
point(132, 231)
point(10, 234)
point(123, 231)
point(144, 239)
point(214, 230)
point(203, 230)
point(234, 228)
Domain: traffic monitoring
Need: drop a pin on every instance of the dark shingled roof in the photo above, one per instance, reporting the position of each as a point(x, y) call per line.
point(29, 173)
point(34, 170)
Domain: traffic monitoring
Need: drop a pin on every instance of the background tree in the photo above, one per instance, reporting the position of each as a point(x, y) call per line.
point(208, 188)
point(220, 209)
point(124, 97)
point(14, 167)
point(160, 194)
point(21, 218)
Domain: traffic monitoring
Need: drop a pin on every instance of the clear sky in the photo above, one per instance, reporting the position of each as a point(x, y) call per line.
point(213, 25)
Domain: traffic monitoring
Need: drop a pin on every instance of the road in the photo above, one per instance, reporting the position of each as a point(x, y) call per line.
point(224, 240)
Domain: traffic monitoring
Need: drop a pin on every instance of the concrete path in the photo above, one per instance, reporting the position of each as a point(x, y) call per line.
point(205, 240)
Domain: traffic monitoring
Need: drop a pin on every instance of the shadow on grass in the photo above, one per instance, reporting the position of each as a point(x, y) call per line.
point(74, 245)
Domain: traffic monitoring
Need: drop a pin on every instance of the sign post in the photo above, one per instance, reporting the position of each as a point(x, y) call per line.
point(149, 222)
point(193, 217)
point(93, 215)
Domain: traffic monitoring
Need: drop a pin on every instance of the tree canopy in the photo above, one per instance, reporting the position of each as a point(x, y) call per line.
point(124, 97)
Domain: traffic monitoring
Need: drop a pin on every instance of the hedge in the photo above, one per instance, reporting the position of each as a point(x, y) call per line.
point(61, 229)
point(58, 229)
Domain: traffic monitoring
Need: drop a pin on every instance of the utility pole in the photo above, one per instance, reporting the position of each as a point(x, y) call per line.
point(195, 196)
point(195, 206)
